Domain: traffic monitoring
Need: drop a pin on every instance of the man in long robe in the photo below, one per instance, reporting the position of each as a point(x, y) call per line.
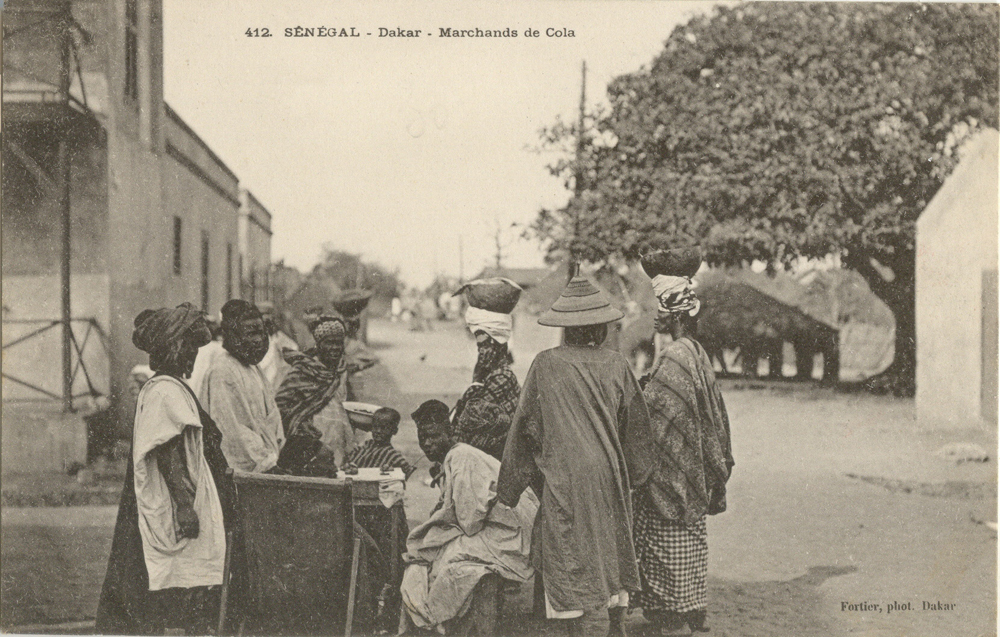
point(237, 395)
point(581, 436)
point(468, 535)
point(169, 544)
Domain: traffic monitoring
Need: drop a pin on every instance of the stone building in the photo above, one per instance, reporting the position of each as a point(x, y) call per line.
point(153, 214)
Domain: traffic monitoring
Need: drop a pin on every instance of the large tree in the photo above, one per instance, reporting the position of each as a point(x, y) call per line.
point(770, 131)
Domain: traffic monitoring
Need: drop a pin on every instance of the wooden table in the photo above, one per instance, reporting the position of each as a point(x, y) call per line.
point(367, 493)
point(298, 534)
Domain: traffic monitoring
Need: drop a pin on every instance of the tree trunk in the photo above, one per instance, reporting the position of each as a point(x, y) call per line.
point(899, 295)
point(900, 377)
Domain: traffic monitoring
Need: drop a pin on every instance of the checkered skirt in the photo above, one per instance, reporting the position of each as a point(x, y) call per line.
point(673, 562)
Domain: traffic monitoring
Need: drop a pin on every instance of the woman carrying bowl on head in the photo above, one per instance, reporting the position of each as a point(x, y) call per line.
point(691, 428)
point(483, 414)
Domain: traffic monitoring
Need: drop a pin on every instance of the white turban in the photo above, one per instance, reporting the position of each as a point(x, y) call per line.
point(496, 325)
point(676, 294)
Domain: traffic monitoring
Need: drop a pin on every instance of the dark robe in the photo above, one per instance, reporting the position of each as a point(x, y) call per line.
point(582, 425)
point(126, 606)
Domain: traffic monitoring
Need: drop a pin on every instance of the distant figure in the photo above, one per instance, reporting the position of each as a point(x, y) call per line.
point(273, 364)
point(581, 439)
point(426, 314)
point(468, 534)
point(396, 309)
point(691, 428)
point(169, 544)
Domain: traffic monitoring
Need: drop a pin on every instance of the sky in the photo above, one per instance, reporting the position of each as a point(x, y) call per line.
point(408, 151)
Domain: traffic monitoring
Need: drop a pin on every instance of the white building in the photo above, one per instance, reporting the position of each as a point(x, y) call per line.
point(956, 290)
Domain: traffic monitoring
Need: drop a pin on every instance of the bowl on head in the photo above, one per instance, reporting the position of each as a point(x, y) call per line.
point(361, 415)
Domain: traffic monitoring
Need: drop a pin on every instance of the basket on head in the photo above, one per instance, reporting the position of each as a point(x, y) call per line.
point(677, 262)
point(497, 294)
point(350, 303)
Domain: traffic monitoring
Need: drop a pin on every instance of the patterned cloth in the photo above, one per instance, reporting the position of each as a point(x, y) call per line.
point(673, 562)
point(484, 413)
point(372, 455)
point(691, 428)
point(306, 390)
point(676, 294)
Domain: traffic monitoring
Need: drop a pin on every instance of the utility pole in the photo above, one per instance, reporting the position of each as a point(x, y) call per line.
point(499, 246)
point(574, 265)
point(66, 209)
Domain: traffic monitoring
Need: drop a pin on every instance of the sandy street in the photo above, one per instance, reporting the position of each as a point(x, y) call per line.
point(841, 521)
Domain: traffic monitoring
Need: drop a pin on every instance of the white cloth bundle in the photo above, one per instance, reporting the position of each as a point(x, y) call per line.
point(496, 325)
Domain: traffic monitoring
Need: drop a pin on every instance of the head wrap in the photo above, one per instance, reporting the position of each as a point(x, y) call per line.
point(431, 411)
point(329, 327)
point(156, 330)
point(496, 325)
point(236, 310)
point(676, 294)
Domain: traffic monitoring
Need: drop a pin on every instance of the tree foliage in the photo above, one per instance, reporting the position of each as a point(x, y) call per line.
point(346, 271)
point(773, 131)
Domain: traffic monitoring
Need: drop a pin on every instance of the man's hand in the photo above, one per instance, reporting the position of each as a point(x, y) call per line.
point(435, 473)
point(187, 520)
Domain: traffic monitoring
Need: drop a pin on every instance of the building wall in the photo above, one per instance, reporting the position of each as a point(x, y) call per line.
point(956, 249)
point(255, 248)
point(139, 168)
point(204, 194)
point(32, 215)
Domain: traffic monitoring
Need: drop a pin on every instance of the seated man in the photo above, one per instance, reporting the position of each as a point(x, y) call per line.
point(379, 452)
point(469, 534)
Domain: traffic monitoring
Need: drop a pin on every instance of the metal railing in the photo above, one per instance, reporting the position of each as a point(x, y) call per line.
point(79, 345)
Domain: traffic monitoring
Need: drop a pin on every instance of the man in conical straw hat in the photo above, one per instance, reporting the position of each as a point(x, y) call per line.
point(581, 440)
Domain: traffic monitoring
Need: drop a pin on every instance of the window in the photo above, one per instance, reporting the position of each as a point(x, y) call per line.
point(131, 50)
point(204, 270)
point(177, 246)
point(229, 271)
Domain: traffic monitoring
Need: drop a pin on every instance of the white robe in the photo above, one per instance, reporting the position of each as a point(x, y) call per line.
point(241, 402)
point(465, 539)
point(164, 410)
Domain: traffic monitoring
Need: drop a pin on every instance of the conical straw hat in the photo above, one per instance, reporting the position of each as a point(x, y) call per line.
point(581, 303)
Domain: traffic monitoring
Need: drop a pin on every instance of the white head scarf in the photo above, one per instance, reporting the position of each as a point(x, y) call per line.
point(496, 325)
point(676, 294)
